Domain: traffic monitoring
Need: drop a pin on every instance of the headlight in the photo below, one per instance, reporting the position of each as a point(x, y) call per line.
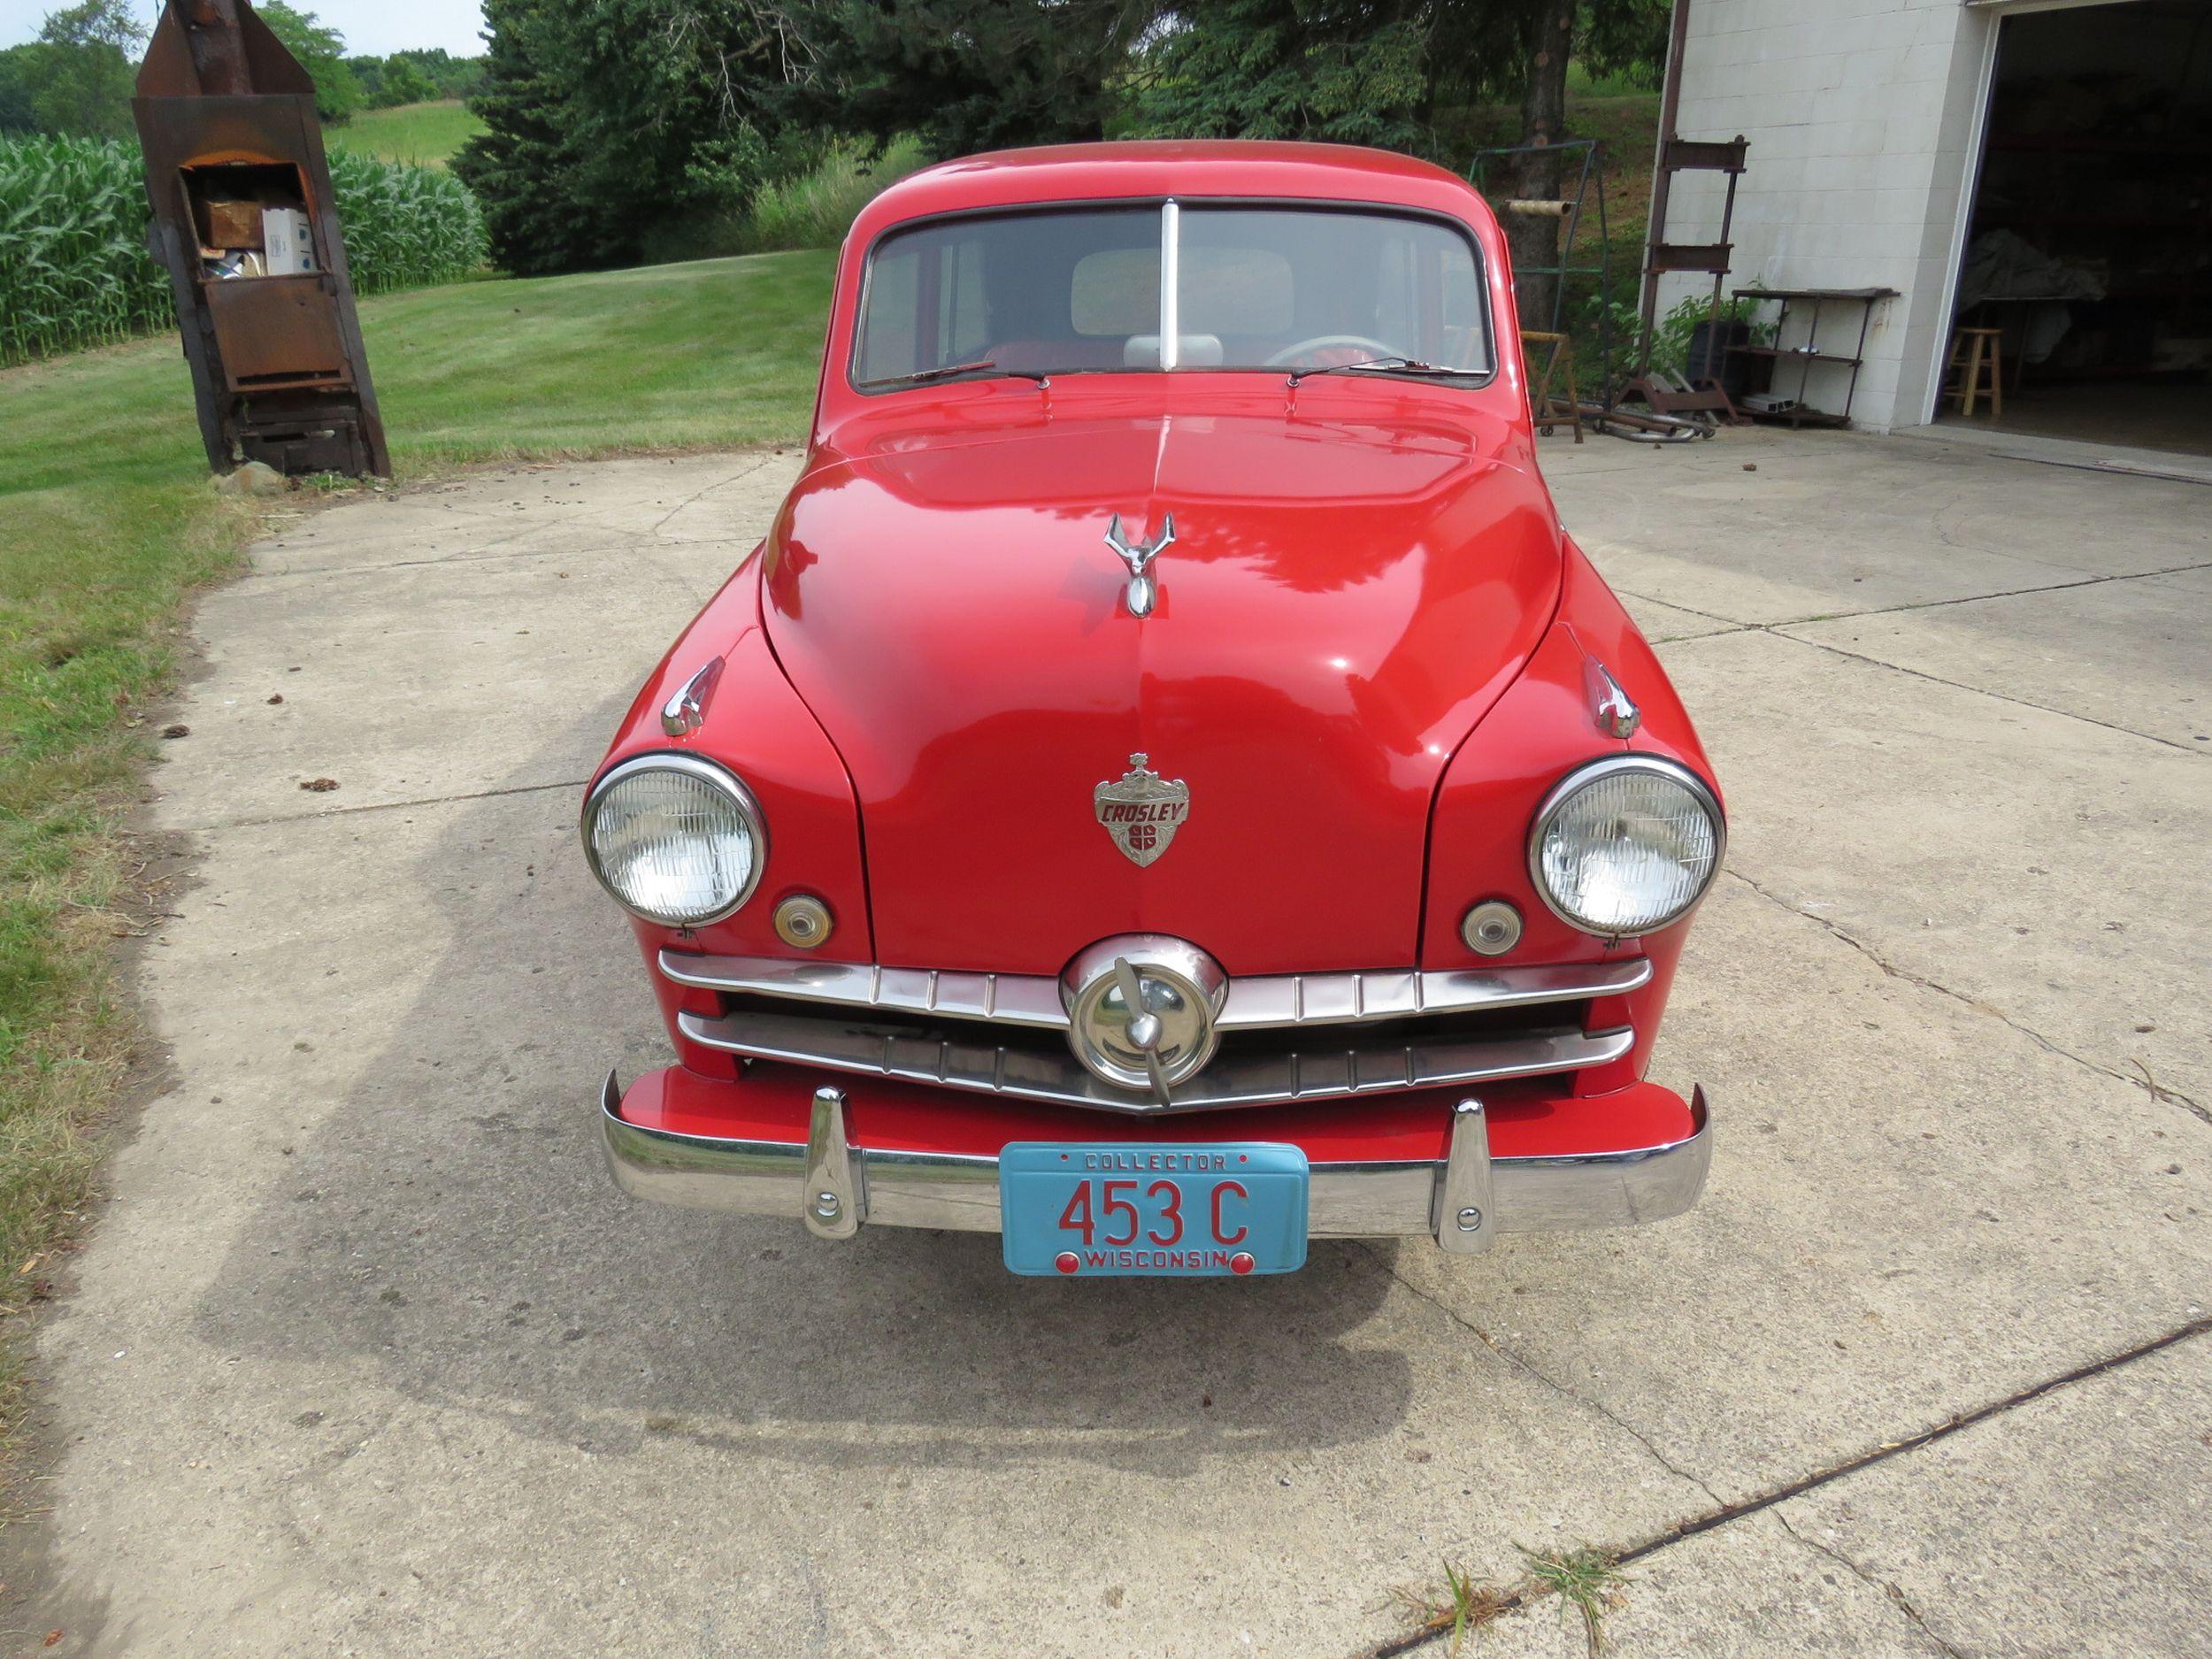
point(1625, 845)
point(675, 839)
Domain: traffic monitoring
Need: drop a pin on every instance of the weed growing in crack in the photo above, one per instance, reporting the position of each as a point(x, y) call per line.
point(1465, 1604)
point(1586, 1580)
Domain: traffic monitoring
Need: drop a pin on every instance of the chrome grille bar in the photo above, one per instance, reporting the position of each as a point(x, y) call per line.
point(1256, 1002)
point(1047, 1074)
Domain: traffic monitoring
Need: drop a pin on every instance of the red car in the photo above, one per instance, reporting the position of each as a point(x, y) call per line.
point(1166, 788)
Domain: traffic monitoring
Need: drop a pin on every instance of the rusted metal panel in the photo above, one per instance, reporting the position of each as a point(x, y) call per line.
point(1710, 257)
point(1685, 155)
point(277, 331)
point(226, 115)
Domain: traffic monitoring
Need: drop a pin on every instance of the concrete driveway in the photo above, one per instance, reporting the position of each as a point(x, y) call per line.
point(368, 1356)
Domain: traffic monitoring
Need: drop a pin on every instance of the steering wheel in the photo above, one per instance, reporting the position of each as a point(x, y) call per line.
point(1289, 356)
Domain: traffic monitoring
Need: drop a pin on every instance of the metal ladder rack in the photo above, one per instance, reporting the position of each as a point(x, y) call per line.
point(1661, 256)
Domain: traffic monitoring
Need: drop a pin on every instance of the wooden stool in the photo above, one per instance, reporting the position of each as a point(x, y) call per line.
point(1979, 352)
point(1562, 355)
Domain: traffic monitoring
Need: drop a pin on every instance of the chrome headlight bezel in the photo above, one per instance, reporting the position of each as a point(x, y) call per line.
point(1613, 765)
point(718, 778)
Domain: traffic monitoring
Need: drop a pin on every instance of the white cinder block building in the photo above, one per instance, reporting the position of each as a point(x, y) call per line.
point(2039, 168)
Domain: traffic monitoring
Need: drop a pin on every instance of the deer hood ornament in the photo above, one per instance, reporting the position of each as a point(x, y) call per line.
point(1143, 590)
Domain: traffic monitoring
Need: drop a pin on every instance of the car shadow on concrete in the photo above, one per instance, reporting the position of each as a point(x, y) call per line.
point(445, 1222)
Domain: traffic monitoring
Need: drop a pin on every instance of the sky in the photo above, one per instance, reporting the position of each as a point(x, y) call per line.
point(377, 27)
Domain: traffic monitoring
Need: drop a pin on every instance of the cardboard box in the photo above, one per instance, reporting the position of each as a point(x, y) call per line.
point(290, 245)
point(228, 223)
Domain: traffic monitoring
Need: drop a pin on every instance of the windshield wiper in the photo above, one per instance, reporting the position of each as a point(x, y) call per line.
point(982, 366)
point(1392, 366)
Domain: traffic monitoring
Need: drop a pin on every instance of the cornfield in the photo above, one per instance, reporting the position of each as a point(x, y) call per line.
point(406, 226)
point(74, 270)
point(74, 265)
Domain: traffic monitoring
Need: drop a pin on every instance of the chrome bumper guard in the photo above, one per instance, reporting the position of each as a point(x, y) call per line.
point(1462, 1201)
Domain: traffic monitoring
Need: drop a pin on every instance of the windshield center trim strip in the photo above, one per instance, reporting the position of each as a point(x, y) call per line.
point(1170, 281)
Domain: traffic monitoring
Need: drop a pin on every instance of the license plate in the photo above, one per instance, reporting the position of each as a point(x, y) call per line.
point(1175, 1211)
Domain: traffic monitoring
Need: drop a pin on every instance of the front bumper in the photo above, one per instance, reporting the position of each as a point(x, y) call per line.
point(1460, 1199)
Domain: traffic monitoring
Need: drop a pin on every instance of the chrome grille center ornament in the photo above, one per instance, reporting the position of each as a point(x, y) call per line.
point(1143, 590)
point(1141, 1011)
point(1141, 811)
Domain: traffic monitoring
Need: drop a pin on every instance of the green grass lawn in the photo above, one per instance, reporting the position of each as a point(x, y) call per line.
point(431, 133)
point(108, 522)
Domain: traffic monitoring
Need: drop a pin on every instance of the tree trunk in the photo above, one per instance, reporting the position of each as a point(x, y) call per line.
point(1534, 239)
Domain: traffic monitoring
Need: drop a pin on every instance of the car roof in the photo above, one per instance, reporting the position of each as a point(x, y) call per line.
point(1151, 169)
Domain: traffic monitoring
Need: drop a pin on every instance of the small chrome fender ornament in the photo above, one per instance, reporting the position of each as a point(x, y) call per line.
point(687, 712)
point(1141, 811)
point(1610, 705)
point(1144, 591)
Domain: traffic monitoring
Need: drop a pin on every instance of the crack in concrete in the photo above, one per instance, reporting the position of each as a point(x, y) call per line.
point(1775, 1496)
point(2010, 593)
point(378, 806)
point(1895, 1593)
point(662, 522)
point(1541, 1375)
point(465, 555)
point(1776, 629)
point(1984, 691)
point(2157, 1090)
point(1738, 625)
point(2111, 469)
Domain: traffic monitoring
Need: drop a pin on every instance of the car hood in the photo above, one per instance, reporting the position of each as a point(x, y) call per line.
point(1340, 603)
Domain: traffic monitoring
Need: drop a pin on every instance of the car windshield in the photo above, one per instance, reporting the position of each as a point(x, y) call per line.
point(1064, 291)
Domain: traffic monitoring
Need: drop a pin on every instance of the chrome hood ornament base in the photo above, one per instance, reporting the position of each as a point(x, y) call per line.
point(1144, 591)
point(1144, 1011)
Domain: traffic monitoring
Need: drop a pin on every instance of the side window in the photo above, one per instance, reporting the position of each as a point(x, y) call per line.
point(906, 285)
point(889, 345)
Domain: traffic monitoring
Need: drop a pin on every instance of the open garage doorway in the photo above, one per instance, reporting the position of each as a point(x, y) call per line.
point(2087, 264)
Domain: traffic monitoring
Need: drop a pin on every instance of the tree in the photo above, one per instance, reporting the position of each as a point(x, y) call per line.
point(403, 83)
point(614, 125)
point(1351, 73)
point(414, 75)
point(1530, 44)
point(524, 167)
point(19, 111)
point(1627, 38)
point(368, 74)
point(611, 123)
point(974, 74)
point(80, 71)
point(1378, 72)
point(1532, 239)
point(322, 53)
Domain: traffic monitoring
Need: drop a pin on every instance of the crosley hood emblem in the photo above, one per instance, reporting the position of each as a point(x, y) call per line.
point(1142, 589)
point(1141, 811)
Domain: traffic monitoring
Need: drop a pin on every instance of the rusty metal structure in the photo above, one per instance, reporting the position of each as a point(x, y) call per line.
point(244, 222)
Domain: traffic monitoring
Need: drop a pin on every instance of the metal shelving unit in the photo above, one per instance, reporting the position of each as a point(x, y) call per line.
point(1801, 414)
